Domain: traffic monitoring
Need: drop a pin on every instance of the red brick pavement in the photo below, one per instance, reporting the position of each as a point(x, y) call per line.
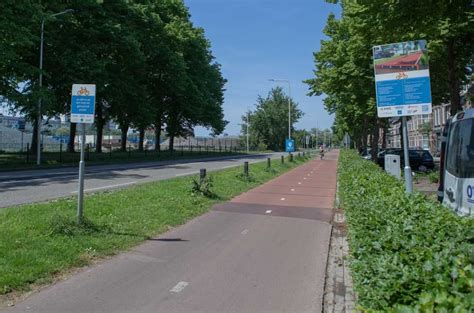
point(305, 192)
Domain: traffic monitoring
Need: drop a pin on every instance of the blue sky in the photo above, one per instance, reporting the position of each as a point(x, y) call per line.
point(255, 40)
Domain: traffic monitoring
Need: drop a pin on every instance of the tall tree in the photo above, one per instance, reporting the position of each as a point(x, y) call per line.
point(269, 121)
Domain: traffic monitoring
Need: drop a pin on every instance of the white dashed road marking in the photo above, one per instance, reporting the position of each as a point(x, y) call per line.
point(179, 286)
point(245, 232)
point(268, 211)
point(282, 199)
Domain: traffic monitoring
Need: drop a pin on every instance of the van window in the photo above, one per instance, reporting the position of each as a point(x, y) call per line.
point(460, 158)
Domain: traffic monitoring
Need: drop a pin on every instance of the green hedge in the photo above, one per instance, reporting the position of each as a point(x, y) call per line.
point(408, 254)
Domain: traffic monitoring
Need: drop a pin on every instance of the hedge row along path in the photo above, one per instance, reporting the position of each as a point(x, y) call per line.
point(407, 253)
point(263, 251)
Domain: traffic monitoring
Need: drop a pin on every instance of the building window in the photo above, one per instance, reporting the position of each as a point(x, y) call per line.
point(426, 142)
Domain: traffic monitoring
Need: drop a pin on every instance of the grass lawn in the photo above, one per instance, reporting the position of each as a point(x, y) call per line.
point(39, 241)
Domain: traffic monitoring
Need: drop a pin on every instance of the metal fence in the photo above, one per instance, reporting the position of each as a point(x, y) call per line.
point(15, 144)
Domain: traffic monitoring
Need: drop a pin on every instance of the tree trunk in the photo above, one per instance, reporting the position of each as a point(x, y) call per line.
point(453, 79)
point(141, 139)
point(123, 143)
point(375, 141)
point(100, 134)
point(384, 138)
point(34, 137)
point(171, 145)
point(100, 122)
point(158, 121)
point(365, 133)
point(72, 137)
point(157, 138)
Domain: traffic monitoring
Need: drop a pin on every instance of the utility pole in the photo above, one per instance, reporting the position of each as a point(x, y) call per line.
point(40, 100)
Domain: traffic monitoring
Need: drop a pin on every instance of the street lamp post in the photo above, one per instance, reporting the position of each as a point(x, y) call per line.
point(248, 122)
point(40, 100)
point(289, 101)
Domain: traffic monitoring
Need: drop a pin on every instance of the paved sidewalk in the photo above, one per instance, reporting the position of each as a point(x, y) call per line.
point(263, 251)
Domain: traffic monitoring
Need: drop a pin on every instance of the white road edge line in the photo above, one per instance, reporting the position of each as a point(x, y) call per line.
point(110, 186)
point(186, 174)
point(179, 286)
point(229, 166)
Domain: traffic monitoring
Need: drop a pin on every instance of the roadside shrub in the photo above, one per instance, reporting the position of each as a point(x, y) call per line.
point(434, 177)
point(408, 254)
point(203, 187)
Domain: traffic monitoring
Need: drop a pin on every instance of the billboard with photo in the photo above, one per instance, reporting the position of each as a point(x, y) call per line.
point(402, 79)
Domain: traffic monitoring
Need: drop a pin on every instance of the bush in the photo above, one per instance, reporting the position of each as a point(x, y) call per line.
point(434, 177)
point(203, 187)
point(408, 254)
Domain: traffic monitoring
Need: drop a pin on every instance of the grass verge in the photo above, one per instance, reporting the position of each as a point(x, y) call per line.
point(408, 253)
point(39, 241)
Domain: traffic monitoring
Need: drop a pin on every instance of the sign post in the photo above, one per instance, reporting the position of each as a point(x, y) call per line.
point(82, 112)
point(402, 85)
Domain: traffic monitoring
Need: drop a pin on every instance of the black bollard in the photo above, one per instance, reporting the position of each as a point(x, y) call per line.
point(202, 174)
point(269, 162)
point(291, 157)
point(282, 159)
point(246, 168)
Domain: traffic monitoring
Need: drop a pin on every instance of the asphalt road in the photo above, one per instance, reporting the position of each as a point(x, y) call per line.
point(22, 187)
point(247, 255)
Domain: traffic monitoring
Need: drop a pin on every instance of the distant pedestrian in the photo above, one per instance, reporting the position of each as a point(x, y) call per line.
point(321, 152)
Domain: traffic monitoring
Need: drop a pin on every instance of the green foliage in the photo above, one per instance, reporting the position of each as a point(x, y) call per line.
point(203, 187)
point(434, 177)
point(151, 65)
point(344, 69)
point(408, 254)
point(268, 124)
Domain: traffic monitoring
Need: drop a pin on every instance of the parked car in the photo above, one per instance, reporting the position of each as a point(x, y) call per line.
point(420, 160)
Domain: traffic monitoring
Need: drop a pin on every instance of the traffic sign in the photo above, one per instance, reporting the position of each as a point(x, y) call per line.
point(83, 103)
point(290, 145)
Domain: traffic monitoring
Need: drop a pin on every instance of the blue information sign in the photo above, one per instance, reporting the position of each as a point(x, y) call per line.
point(290, 145)
point(402, 79)
point(83, 104)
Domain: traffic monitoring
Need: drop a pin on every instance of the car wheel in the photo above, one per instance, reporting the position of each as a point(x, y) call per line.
point(422, 168)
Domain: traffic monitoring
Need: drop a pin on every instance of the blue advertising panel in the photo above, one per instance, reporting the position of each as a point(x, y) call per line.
point(83, 104)
point(402, 79)
point(289, 145)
